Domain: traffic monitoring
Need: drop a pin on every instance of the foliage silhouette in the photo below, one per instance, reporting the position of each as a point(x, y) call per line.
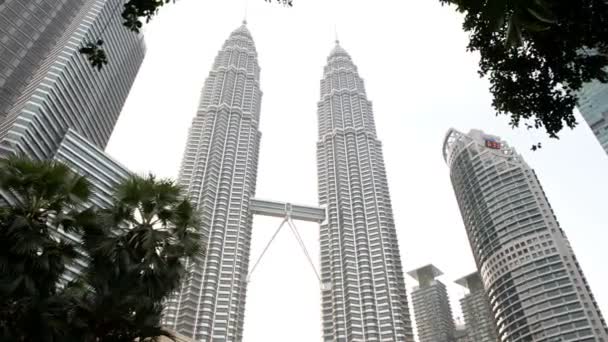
point(134, 251)
point(537, 54)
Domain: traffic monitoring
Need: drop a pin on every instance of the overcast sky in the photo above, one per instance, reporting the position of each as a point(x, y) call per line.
point(421, 80)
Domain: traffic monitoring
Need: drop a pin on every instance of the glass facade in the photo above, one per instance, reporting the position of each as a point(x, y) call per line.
point(593, 105)
point(66, 92)
point(536, 287)
point(29, 30)
point(53, 104)
point(88, 160)
point(102, 172)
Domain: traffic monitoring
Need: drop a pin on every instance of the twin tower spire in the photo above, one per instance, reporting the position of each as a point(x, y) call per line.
point(363, 292)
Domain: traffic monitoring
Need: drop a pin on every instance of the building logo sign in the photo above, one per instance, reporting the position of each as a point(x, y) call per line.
point(493, 144)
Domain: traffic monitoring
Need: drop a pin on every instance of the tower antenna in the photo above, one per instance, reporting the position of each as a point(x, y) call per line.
point(245, 14)
point(336, 33)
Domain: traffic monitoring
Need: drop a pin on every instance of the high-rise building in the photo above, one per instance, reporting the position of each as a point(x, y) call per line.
point(29, 30)
point(363, 297)
point(476, 310)
point(218, 172)
point(462, 335)
point(432, 310)
point(58, 107)
point(593, 105)
point(66, 92)
point(536, 287)
point(103, 173)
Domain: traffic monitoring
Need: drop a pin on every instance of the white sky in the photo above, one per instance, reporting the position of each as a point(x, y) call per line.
point(421, 81)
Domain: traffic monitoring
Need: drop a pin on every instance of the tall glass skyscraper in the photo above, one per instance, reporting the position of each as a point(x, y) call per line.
point(29, 30)
point(66, 92)
point(535, 285)
point(218, 171)
point(593, 105)
point(363, 296)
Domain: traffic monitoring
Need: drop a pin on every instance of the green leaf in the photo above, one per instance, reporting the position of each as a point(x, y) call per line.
point(495, 12)
point(540, 11)
point(514, 37)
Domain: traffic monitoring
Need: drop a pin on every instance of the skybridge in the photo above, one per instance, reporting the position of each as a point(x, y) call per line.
point(289, 212)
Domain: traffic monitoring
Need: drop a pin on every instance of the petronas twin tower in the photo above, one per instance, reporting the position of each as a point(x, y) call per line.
point(363, 292)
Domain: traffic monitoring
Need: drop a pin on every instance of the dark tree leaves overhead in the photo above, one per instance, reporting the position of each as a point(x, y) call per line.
point(134, 10)
point(537, 54)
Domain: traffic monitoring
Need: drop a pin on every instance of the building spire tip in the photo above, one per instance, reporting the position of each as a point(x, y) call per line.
point(336, 34)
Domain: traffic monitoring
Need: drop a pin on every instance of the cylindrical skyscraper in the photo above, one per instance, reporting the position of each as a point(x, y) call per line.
point(535, 285)
point(363, 297)
point(218, 172)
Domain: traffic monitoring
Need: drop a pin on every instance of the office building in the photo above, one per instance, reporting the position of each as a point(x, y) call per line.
point(103, 173)
point(593, 105)
point(29, 30)
point(218, 172)
point(475, 307)
point(535, 285)
point(363, 296)
point(66, 92)
point(53, 104)
point(432, 310)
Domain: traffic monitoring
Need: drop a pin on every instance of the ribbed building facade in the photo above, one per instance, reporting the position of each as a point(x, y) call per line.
point(363, 296)
point(66, 92)
point(432, 310)
point(475, 307)
point(53, 104)
point(536, 288)
point(103, 173)
point(593, 105)
point(218, 171)
point(29, 30)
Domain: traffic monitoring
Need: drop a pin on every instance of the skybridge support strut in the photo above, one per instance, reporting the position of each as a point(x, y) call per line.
point(289, 212)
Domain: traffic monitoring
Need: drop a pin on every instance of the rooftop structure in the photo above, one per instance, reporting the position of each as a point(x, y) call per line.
point(434, 322)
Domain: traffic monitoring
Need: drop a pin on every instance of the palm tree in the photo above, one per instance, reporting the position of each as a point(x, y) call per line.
point(42, 200)
point(137, 254)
